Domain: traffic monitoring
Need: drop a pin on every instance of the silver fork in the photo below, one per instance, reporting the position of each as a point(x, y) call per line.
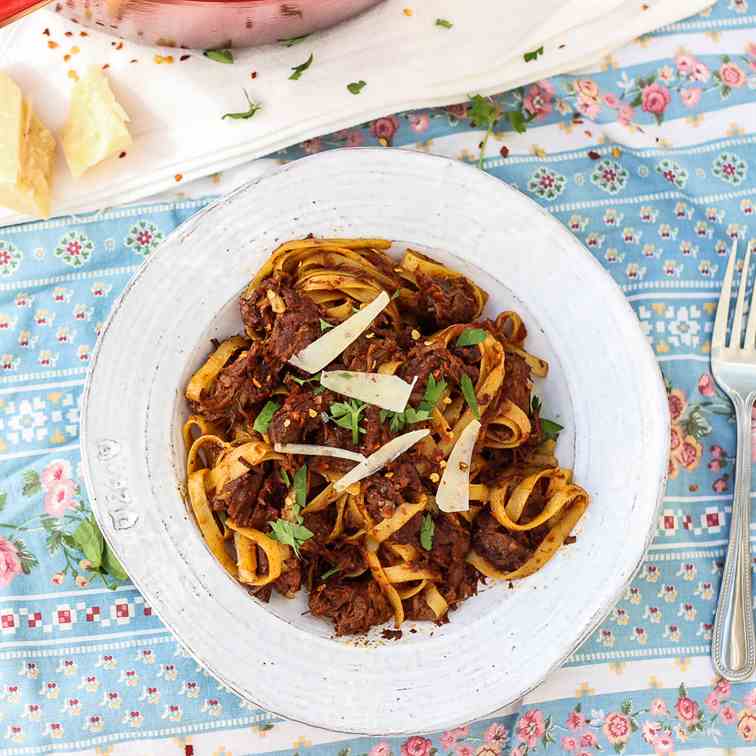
point(733, 647)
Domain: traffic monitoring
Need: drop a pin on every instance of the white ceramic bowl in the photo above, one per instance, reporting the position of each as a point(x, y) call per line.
point(604, 386)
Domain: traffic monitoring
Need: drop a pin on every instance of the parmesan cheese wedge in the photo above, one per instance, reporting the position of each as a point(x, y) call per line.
point(388, 392)
point(453, 494)
point(331, 344)
point(319, 451)
point(387, 453)
point(27, 149)
point(96, 125)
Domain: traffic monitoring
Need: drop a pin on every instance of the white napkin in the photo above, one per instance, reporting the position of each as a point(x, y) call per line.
point(407, 61)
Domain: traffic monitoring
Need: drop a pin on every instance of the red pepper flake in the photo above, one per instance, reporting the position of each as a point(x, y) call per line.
point(69, 34)
point(122, 154)
point(52, 45)
point(185, 57)
point(504, 151)
point(66, 58)
point(644, 7)
point(253, 75)
point(188, 750)
point(133, 60)
point(46, 32)
point(693, 487)
point(407, 11)
point(83, 34)
point(119, 46)
point(178, 176)
point(593, 155)
point(105, 66)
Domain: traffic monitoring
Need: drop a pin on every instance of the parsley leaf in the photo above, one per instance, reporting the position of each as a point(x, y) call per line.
point(470, 337)
point(469, 393)
point(444, 23)
point(285, 479)
point(356, 86)
point(300, 492)
point(535, 404)
point(518, 121)
point(533, 54)
point(433, 391)
point(262, 421)
point(301, 381)
point(290, 533)
point(550, 429)
point(330, 573)
point(325, 325)
point(426, 532)
point(220, 56)
point(412, 415)
point(291, 41)
point(397, 420)
point(244, 114)
point(301, 68)
point(347, 415)
point(484, 112)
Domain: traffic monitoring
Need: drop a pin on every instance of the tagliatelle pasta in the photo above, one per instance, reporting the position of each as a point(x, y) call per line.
point(271, 447)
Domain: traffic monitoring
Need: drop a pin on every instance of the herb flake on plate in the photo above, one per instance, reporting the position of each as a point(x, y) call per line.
point(219, 56)
point(356, 87)
point(533, 54)
point(301, 68)
point(244, 114)
point(443, 23)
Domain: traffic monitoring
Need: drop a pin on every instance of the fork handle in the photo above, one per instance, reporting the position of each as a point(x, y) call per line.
point(734, 644)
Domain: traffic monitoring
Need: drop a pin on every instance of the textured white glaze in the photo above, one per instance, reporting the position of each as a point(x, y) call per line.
point(604, 385)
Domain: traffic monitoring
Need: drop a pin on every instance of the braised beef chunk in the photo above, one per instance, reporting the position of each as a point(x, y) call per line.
point(451, 541)
point(290, 580)
point(461, 582)
point(445, 301)
point(381, 497)
point(416, 608)
point(410, 531)
point(422, 361)
point(354, 605)
point(295, 328)
point(298, 419)
point(516, 386)
point(371, 350)
point(498, 546)
point(376, 432)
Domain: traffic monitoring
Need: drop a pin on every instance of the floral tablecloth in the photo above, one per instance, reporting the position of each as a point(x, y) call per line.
point(651, 162)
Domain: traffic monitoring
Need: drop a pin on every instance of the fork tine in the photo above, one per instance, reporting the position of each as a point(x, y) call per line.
point(723, 308)
point(750, 339)
point(737, 323)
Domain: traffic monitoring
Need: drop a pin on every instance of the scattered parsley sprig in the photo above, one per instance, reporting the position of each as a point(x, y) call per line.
point(485, 113)
point(426, 532)
point(471, 337)
point(468, 391)
point(244, 114)
point(549, 428)
point(398, 420)
point(262, 421)
point(297, 71)
point(347, 415)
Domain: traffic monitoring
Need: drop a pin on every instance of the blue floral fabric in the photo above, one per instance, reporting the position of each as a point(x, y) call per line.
point(650, 160)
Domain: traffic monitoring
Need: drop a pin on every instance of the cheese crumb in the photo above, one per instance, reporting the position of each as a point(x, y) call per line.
point(312, 413)
point(415, 334)
point(434, 477)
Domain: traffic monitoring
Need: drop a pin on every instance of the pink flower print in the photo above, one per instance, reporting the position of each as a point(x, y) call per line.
point(354, 139)
point(701, 73)
point(58, 470)
point(60, 497)
point(538, 99)
point(751, 50)
point(650, 730)
point(655, 98)
point(728, 715)
point(588, 740)
point(385, 128)
point(685, 64)
point(464, 750)
point(664, 743)
point(717, 452)
point(575, 720)
point(690, 97)
point(311, 146)
point(732, 75)
point(715, 465)
point(625, 115)
point(419, 122)
point(10, 564)
point(587, 88)
point(724, 688)
point(380, 749)
point(719, 485)
point(750, 699)
point(617, 728)
point(706, 385)
point(416, 746)
point(589, 108)
point(458, 111)
point(612, 101)
point(712, 702)
point(58, 578)
point(449, 738)
point(496, 734)
point(569, 743)
point(530, 727)
point(687, 709)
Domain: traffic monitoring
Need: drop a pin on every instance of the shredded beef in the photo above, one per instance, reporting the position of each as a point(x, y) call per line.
point(445, 301)
point(410, 531)
point(383, 495)
point(376, 432)
point(498, 546)
point(423, 361)
point(354, 606)
point(290, 580)
point(416, 608)
point(451, 541)
point(516, 386)
point(295, 328)
point(368, 354)
point(461, 582)
point(298, 419)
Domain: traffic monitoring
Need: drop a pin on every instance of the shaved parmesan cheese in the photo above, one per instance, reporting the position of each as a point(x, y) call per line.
point(320, 451)
point(453, 493)
point(387, 453)
point(331, 344)
point(388, 392)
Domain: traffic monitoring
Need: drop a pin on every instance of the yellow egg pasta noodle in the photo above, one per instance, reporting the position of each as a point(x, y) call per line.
point(406, 592)
point(201, 424)
point(435, 601)
point(273, 551)
point(193, 459)
point(238, 460)
point(205, 376)
point(206, 520)
point(401, 516)
point(509, 428)
point(246, 557)
point(389, 591)
point(510, 327)
point(338, 526)
point(404, 573)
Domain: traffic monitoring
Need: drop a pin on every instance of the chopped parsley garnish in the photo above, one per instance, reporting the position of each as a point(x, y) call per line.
point(300, 492)
point(325, 325)
point(347, 415)
point(291, 41)
point(442, 22)
point(356, 86)
point(485, 113)
point(285, 479)
point(471, 337)
point(330, 573)
point(244, 114)
point(318, 389)
point(290, 533)
point(301, 68)
point(468, 390)
point(433, 391)
point(533, 54)
point(262, 421)
point(549, 428)
point(426, 532)
point(220, 56)
point(301, 381)
point(397, 420)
